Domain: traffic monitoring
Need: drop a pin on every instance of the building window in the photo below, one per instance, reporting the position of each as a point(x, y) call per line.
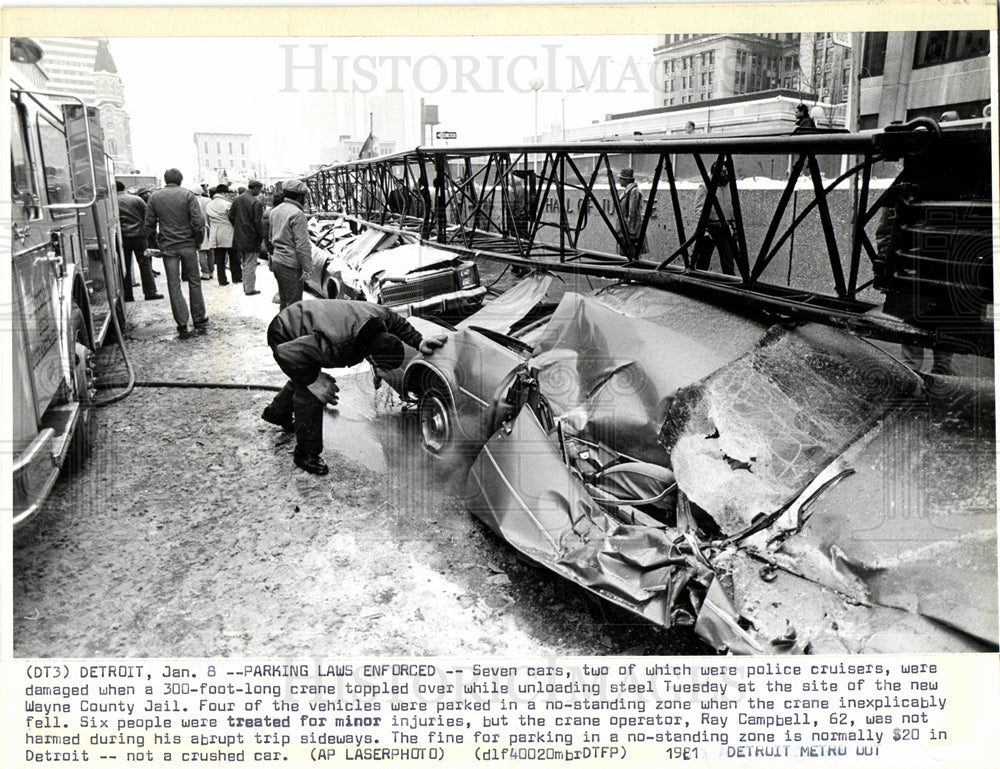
point(873, 58)
point(940, 47)
point(243, 149)
point(206, 148)
point(218, 148)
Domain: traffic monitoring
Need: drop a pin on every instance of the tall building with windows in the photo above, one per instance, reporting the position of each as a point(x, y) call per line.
point(84, 67)
point(905, 75)
point(225, 157)
point(695, 68)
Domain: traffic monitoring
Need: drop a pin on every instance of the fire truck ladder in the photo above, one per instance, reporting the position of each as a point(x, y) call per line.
point(923, 237)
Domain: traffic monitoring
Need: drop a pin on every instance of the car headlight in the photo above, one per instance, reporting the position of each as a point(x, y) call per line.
point(468, 276)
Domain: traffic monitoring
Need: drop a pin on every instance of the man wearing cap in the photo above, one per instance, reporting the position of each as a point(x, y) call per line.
point(308, 336)
point(245, 216)
point(291, 260)
point(631, 207)
point(174, 222)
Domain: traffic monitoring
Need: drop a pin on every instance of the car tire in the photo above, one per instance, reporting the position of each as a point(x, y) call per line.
point(437, 421)
point(82, 373)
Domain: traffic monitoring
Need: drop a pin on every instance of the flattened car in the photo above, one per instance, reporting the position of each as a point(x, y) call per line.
point(777, 489)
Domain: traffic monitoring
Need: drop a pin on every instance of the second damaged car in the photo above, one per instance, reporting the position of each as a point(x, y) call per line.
point(782, 489)
point(393, 269)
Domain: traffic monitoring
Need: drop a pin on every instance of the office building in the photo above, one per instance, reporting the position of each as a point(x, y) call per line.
point(905, 75)
point(225, 158)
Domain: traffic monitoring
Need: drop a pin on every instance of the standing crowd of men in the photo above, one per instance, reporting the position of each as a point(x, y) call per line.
point(192, 234)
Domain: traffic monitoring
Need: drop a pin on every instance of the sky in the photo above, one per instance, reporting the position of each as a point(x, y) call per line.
point(297, 95)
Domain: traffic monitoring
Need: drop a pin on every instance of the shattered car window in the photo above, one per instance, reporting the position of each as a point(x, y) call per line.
point(751, 436)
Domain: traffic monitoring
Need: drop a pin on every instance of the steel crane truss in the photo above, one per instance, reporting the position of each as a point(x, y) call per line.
point(559, 205)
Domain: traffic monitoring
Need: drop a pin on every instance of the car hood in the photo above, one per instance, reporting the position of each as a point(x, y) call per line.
point(401, 261)
point(825, 499)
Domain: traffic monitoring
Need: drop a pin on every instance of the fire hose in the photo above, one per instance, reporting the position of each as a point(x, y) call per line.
point(132, 382)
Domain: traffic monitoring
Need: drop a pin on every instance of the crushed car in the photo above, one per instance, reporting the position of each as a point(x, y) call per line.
point(778, 489)
point(391, 268)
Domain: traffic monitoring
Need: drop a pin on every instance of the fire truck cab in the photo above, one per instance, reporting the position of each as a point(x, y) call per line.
point(66, 277)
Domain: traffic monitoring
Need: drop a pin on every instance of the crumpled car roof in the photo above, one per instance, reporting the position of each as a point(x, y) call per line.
point(790, 451)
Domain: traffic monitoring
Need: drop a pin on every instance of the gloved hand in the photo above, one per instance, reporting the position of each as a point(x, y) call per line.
point(430, 344)
point(325, 389)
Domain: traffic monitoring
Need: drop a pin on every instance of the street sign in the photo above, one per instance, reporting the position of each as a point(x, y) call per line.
point(841, 38)
point(445, 135)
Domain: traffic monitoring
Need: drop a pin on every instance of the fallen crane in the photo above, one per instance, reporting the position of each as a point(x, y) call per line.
point(880, 211)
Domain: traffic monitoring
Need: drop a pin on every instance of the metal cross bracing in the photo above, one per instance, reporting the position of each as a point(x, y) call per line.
point(560, 206)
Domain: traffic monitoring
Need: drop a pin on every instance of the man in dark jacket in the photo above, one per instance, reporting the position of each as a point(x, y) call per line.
point(308, 336)
point(132, 218)
point(245, 215)
point(802, 117)
point(174, 222)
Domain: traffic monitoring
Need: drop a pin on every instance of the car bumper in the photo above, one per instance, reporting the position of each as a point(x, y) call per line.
point(456, 300)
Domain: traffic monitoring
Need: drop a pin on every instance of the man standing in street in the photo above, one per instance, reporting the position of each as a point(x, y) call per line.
point(245, 216)
point(291, 260)
point(330, 333)
point(132, 218)
point(718, 228)
point(206, 259)
point(632, 209)
point(174, 222)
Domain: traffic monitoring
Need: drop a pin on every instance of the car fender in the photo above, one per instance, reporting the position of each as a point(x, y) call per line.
point(418, 372)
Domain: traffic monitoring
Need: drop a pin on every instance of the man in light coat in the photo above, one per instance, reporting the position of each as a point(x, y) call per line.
point(288, 233)
point(718, 229)
point(632, 210)
point(220, 236)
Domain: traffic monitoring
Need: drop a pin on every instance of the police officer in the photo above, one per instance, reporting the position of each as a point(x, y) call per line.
point(308, 336)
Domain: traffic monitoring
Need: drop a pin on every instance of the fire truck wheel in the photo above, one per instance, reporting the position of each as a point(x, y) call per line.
point(83, 390)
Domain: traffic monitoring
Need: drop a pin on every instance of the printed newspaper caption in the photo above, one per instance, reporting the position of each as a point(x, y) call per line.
point(601, 711)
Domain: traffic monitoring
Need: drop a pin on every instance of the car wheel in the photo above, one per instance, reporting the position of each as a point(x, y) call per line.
point(83, 390)
point(436, 421)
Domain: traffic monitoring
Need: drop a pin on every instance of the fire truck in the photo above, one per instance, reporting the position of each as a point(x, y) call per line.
point(66, 277)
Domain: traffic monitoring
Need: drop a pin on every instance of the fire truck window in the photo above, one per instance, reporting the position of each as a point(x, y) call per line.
point(55, 162)
point(21, 179)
